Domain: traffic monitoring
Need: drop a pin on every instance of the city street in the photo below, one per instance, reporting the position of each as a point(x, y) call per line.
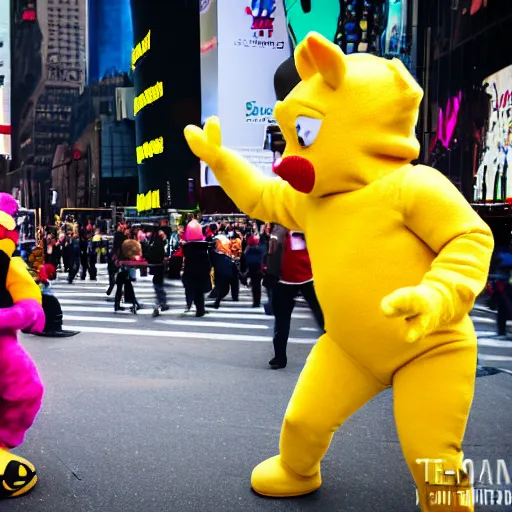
point(86, 309)
point(163, 417)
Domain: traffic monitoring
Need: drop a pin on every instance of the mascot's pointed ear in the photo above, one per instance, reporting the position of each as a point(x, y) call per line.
point(305, 66)
point(411, 89)
point(316, 54)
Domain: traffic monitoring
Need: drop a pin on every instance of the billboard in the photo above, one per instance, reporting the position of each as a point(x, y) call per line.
point(243, 44)
point(492, 183)
point(5, 78)
point(165, 61)
point(209, 58)
point(394, 39)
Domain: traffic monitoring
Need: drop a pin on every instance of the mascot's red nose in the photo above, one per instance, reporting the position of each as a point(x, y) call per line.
point(297, 171)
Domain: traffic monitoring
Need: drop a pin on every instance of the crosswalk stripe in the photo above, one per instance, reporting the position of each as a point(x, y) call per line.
point(485, 334)
point(93, 285)
point(183, 334)
point(87, 309)
point(249, 314)
point(492, 357)
point(488, 342)
point(206, 323)
point(144, 294)
point(482, 320)
point(84, 309)
point(116, 320)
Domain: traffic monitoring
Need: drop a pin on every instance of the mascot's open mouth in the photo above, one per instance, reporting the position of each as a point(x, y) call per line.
point(297, 171)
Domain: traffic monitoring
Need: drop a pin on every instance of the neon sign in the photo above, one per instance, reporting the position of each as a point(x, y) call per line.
point(476, 5)
point(150, 95)
point(148, 201)
point(29, 15)
point(447, 121)
point(141, 49)
point(150, 149)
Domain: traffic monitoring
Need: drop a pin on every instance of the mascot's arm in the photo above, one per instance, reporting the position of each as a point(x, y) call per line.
point(20, 284)
point(438, 214)
point(260, 197)
point(27, 312)
point(257, 195)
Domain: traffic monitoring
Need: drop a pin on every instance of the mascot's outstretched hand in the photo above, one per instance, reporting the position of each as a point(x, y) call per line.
point(206, 144)
point(420, 307)
point(261, 196)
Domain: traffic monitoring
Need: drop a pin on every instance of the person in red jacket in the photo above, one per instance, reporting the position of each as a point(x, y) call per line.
point(289, 265)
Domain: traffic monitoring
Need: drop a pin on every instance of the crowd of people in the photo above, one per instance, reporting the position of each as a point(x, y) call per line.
point(213, 260)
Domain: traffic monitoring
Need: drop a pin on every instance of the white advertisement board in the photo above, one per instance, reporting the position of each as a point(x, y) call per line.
point(209, 58)
point(251, 43)
point(5, 78)
point(493, 180)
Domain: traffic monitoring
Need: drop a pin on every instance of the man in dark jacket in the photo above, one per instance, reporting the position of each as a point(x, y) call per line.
point(113, 255)
point(156, 258)
point(288, 274)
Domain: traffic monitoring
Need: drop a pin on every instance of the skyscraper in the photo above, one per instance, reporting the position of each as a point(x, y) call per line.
point(63, 24)
point(45, 118)
point(109, 38)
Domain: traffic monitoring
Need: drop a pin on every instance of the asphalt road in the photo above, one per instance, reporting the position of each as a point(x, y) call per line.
point(152, 424)
point(86, 309)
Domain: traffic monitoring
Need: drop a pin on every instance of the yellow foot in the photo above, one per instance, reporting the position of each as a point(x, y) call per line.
point(17, 475)
point(271, 478)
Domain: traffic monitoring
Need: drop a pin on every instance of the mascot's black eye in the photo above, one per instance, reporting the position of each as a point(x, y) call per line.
point(307, 130)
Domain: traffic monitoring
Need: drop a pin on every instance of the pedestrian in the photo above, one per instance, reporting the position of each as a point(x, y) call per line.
point(114, 255)
point(73, 255)
point(156, 258)
point(225, 271)
point(253, 261)
point(502, 289)
point(196, 272)
point(291, 267)
point(130, 252)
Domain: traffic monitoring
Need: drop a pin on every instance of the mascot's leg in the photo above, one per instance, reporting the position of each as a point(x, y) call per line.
point(330, 389)
point(433, 396)
point(21, 392)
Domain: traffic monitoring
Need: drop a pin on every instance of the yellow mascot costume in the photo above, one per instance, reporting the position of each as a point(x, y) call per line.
point(402, 273)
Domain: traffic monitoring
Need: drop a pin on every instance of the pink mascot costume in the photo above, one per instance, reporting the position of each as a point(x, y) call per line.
point(21, 390)
point(193, 232)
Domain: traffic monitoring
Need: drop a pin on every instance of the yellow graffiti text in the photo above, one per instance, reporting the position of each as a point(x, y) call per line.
point(148, 201)
point(150, 149)
point(150, 95)
point(141, 48)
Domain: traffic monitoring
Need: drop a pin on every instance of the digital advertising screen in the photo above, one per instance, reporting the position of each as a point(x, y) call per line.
point(166, 72)
point(242, 45)
point(5, 78)
point(493, 183)
point(209, 58)
point(394, 39)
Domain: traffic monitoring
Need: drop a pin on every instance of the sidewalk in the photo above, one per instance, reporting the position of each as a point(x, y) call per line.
point(164, 425)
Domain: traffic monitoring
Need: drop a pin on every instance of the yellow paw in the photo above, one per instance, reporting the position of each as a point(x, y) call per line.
point(272, 479)
point(17, 475)
point(206, 143)
point(419, 306)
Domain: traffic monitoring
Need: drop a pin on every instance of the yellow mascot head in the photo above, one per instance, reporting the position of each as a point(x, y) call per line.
point(349, 122)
